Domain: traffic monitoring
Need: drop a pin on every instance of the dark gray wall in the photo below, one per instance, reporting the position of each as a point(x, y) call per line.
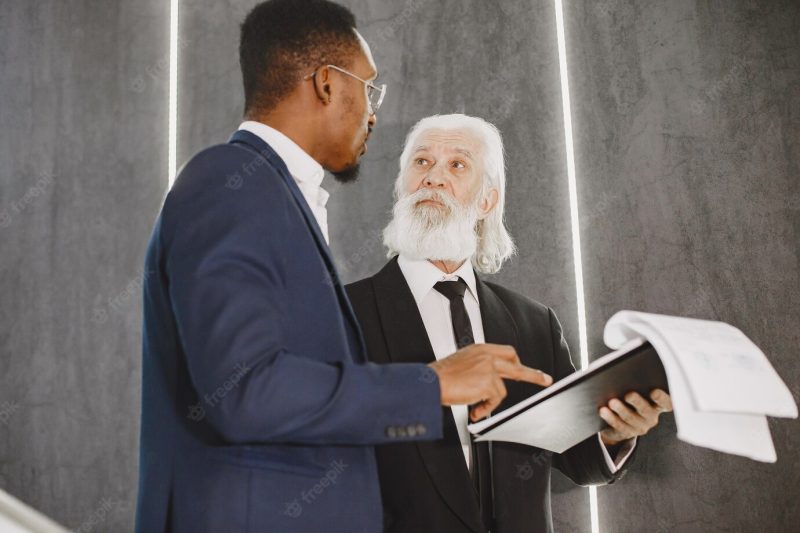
point(687, 120)
point(83, 92)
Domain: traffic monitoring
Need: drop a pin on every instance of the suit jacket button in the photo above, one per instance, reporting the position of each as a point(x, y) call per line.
point(391, 432)
point(411, 430)
point(421, 429)
point(401, 431)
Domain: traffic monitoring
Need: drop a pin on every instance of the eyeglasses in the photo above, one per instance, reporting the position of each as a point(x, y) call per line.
point(375, 93)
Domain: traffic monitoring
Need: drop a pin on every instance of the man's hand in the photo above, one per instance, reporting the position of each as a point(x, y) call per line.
point(474, 375)
point(626, 423)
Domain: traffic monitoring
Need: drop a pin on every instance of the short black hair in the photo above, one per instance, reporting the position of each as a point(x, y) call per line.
point(283, 40)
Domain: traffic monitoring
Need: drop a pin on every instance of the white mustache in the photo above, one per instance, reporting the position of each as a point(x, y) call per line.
point(427, 232)
point(430, 194)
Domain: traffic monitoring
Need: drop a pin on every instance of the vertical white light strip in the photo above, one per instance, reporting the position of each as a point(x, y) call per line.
point(576, 233)
point(172, 158)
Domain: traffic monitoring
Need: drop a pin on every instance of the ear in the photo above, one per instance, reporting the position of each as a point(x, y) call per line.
point(488, 203)
point(322, 85)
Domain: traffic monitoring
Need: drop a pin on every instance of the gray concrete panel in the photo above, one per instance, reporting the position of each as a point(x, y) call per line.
point(687, 121)
point(83, 170)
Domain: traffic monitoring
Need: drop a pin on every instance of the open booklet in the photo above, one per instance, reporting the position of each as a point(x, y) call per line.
point(540, 420)
point(721, 384)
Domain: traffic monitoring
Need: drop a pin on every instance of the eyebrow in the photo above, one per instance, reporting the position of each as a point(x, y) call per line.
point(463, 151)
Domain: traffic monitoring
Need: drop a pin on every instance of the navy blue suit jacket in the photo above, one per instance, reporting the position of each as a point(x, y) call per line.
point(259, 408)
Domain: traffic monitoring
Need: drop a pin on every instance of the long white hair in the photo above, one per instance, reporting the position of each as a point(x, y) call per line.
point(495, 244)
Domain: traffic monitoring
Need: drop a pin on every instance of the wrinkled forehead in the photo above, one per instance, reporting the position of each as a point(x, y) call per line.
point(448, 141)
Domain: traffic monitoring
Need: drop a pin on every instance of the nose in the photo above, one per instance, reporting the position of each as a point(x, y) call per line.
point(435, 177)
point(371, 121)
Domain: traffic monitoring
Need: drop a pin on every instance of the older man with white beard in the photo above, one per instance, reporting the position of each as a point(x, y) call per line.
point(428, 300)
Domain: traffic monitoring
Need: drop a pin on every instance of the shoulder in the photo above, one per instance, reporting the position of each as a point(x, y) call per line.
point(226, 185)
point(529, 315)
point(516, 302)
point(360, 291)
point(388, 276)
point(220, 168)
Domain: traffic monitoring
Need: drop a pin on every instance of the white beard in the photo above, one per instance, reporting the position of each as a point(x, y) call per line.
point(432, 232)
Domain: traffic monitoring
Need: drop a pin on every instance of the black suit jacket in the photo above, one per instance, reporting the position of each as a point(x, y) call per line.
point(425, 486)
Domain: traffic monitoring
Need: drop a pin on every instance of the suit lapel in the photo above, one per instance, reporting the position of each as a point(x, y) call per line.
point(254, 142)
point(499, 328)
point(408, 342)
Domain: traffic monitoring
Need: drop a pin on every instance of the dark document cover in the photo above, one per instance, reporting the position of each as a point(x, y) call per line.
point(566, 413)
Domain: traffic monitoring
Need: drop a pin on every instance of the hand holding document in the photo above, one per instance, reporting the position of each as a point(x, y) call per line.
point(566, 413)
point(721, 384)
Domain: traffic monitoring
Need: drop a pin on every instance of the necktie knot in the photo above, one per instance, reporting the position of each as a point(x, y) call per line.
point(452, 289)
point(462, 329)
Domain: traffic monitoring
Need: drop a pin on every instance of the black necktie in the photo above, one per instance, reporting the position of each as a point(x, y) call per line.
point(462, 331)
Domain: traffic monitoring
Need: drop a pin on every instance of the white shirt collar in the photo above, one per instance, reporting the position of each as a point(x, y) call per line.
point(303, 168)
point(421, 275)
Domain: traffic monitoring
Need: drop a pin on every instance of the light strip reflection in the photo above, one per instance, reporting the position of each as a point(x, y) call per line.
point(575, 222)
point(173, 91)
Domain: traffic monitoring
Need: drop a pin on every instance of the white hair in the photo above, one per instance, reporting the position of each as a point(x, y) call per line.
point(494, 241)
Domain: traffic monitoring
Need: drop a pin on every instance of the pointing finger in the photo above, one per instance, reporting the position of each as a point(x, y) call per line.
point(483, 409)
point(520, 372)
point(506, 353)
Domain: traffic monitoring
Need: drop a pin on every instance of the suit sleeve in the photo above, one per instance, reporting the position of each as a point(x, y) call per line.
point(584, 463)
point(226, 265)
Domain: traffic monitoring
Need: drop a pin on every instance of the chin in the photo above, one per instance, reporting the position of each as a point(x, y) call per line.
point(347, 174)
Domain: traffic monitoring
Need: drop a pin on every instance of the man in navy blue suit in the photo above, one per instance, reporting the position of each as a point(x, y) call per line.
point(259, 408)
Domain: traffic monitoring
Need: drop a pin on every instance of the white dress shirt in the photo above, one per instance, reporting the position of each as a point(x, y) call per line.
point(434, 308)
point(307, 173)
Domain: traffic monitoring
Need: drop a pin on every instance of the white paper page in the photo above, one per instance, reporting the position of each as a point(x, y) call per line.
point(736, 433)
point(740, 434)
point(521, 431)
point(18, 517)
point(725, 371)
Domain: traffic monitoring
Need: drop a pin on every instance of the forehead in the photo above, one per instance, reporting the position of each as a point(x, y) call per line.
point(457, 140)
point(367, 52)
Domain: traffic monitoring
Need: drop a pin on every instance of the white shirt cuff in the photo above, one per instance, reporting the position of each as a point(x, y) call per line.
point(622, 455)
